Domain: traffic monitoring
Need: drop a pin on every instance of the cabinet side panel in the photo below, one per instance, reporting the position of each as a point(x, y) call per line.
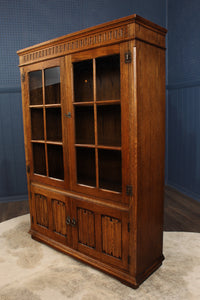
point(151, 147)
point(24, 92)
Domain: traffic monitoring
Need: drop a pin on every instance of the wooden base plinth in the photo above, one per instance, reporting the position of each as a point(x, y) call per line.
point(124, 277)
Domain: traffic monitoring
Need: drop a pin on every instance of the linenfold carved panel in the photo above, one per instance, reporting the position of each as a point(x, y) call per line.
point(59, 217)
point(111, 236)
point(86, 228)
point(41, 206)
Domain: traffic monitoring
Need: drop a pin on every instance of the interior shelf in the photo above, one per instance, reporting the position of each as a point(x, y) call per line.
point(110, 170)
point(52, 85)
point(37, 124)
point(39, 158)
point(55, 161)
point(86, 172)
point(83, 81)
point(53, 124)
point(108, 77)
point(84, 123)
point(35, 88)
point(109, 125)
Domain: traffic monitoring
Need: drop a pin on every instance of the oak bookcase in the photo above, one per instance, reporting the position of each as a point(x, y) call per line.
point(94, 129)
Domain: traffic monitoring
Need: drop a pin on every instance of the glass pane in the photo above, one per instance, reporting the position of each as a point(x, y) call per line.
point(55, 161)
point(39, 159)
point(85, 160)
point(110, 170)
point(84, 120)
point(37, 124)
point(53, 124)
point(83, 81)
point(52, 85)
point(35, 87)
point(109, 125)
point(108, 77)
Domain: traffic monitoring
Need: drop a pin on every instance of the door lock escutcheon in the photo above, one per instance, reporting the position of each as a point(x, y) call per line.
point(73, 222)
point(68, 220)
point(68, 115)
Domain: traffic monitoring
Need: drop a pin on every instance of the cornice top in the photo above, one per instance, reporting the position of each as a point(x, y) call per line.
point(100, 35)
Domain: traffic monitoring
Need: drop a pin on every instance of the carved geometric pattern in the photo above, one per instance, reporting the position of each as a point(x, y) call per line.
point(90, 41)
point(41, 210)
point(86, 227)
point(111, 236)
point(59, 217)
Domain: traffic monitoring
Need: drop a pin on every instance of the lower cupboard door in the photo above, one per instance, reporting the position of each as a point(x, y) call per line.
point(101, 232)
point(50, 212)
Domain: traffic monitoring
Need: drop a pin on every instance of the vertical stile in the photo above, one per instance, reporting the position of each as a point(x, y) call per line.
point(45, 129)
point(125, 68)
point(95, 124)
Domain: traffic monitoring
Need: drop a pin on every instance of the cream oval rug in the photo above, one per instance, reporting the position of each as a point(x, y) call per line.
point(32, 271)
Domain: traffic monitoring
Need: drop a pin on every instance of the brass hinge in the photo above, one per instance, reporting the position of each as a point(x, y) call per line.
point(23, 77)
point(129, 190)
point(28, 169)
point(128, 57)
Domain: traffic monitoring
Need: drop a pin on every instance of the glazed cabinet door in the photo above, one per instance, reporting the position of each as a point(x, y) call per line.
point(43, 114)
point(98, 123)
point(51, 212)
point(101, 232)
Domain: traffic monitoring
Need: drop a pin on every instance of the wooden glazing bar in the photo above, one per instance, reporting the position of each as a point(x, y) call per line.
point(83, 103)
point(108, 102)
point(85, 145)
point(38, 141)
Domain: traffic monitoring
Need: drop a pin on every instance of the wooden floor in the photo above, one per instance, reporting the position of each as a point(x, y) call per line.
point(13, 209)
point(181, 212)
